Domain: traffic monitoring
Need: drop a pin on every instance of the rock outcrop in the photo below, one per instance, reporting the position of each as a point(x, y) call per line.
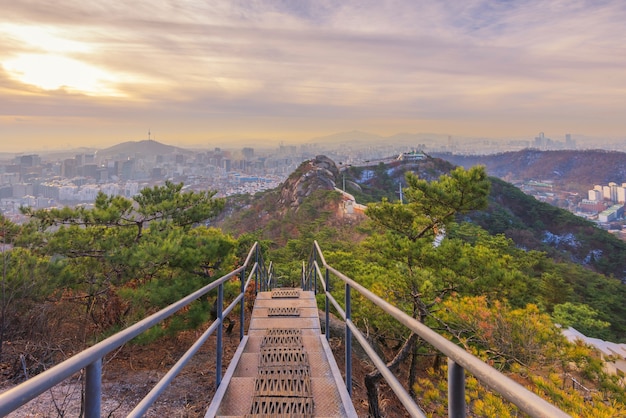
point(320, 173)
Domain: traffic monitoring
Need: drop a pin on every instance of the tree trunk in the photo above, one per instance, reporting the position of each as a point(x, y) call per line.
point(413, 371)
point(371, 384)
point(372, 379)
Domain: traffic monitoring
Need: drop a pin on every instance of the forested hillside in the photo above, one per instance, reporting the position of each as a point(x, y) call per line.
point(573, 169)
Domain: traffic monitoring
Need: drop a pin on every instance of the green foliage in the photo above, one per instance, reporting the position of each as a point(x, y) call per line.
point(501, 334)
point(151, 250)
point(432, 206)
point(602, 294)
point(431, 392)
point(579, 316)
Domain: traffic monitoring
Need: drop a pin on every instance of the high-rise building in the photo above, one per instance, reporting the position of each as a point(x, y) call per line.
point(127, 170)
point(595, 195)
point(29, 160)
point(248, 153)
point(68, 168)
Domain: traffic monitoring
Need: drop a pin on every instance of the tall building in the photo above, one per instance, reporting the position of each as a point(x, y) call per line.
point(595, 195)
point(540, 141)
point(248, 153)
point(29, 160)
point(621, 194)
point(127, 170)
point(68, 168)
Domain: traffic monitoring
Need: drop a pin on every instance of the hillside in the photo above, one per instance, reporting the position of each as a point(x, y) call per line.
point(536, 225)
point(575, 170)
point(146, 148)
point(304, 204)
point(307, 202)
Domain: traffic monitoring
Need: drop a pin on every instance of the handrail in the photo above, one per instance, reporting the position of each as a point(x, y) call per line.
point(91, 358)
point(459, 359)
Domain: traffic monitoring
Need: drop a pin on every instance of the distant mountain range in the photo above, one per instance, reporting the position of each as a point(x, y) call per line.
point(576, 170)
point(360, 137)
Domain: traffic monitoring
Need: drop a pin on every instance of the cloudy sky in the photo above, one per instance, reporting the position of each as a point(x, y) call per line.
point(93, 72)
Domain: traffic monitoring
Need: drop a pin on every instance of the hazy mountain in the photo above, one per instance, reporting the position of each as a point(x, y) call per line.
point(146, 147)
point(351, 136)
point(7, 155)
point(578, 170)
point(359, 137)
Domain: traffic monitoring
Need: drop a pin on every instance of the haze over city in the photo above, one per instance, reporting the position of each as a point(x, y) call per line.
point(92, 73)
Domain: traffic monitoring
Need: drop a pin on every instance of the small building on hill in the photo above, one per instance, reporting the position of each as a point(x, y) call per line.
point(412, 156)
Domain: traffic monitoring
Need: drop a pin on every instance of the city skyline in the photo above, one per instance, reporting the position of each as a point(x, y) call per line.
point(195, 73)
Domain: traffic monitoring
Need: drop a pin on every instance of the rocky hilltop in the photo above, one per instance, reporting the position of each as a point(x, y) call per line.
point(308, 197)
point(320, 173)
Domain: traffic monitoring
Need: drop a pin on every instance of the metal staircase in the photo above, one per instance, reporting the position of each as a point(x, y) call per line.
point(285, 367)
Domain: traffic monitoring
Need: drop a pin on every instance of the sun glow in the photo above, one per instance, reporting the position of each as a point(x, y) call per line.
point(49, 61)
point(52, 72)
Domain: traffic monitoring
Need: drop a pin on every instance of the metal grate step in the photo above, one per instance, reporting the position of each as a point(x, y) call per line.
point(295, 372)
point(283, 311)
point(283, 357)
point(282, 387)
point(285, 341)
point(285, 293)
point(273, 406)
point(277, 384)
point(283, 332)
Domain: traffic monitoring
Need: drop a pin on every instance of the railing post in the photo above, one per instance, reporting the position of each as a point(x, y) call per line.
point(242, 314)
point(220, 319)
point(93, 389)
point(348, 342)
point(456, 390)
point(256, 271)
point(326, 307)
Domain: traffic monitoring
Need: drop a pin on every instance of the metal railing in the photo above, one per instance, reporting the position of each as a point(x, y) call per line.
point(459, 360)
point(269, 281)
point(91, 358)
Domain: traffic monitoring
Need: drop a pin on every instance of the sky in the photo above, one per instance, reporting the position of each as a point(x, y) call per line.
point(97, 73)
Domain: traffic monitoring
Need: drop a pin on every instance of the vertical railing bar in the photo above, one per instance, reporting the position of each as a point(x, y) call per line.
point(220, 318)
point(263, 273)
point(256, 273)
point(313, 266)
point(326, 291)
point(348, 342)
point(242, 313)
point(93, 389)
point(456, 390)
point(313, 274)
